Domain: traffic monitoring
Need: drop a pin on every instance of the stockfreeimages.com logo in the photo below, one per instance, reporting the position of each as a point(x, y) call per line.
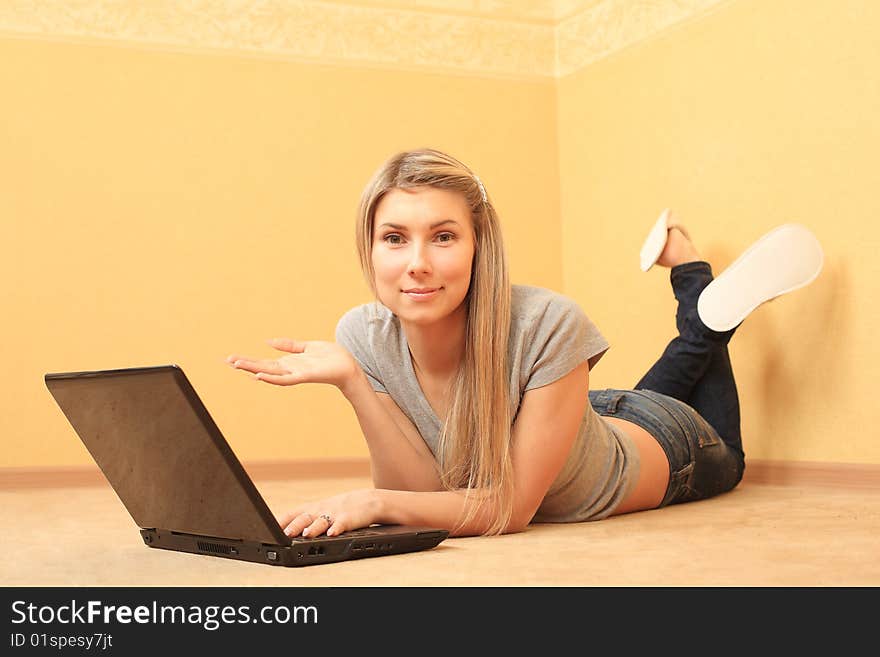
point(211, 617)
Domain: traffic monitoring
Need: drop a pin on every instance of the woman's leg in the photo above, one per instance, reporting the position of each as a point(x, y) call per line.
point(695, 366)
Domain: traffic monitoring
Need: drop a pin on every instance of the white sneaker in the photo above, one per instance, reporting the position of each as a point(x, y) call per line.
point(654, 242)
point(785, 259)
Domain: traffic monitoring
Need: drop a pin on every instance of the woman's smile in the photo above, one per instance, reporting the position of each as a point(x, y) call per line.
point(423, 294)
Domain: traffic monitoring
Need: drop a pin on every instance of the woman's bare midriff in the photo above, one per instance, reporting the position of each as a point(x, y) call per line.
point(653, 471)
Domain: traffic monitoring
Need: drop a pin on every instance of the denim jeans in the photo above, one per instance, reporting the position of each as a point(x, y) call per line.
point(688, 400)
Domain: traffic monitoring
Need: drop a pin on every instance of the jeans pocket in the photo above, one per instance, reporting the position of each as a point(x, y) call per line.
point(706, 435)
point(679, 488)
point(697, 431)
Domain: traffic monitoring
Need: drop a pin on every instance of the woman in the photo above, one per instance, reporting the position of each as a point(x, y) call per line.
point(470, 392)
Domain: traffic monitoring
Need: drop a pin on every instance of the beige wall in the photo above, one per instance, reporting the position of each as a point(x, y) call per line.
point(759, 114)
point(163, 206)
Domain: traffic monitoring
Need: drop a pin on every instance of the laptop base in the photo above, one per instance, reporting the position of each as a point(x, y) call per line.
point(301, 551)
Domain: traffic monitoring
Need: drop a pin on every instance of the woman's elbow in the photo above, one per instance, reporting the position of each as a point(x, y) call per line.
point(463, 532)
point(518, 523)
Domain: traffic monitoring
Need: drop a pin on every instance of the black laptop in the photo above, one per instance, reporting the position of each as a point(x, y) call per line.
point(154, 440)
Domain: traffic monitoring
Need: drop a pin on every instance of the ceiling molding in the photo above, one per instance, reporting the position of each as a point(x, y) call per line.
point(609, 26)
point(541, 39)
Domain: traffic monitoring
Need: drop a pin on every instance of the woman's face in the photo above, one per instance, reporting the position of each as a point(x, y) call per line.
point(423, 239)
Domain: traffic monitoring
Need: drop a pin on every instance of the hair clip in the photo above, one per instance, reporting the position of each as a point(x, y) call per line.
point(482, 189)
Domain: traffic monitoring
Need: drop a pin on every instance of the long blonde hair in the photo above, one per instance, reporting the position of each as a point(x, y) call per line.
point(474, 446)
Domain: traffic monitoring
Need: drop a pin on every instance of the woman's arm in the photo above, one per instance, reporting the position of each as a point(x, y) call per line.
point(399, 458)
point(544, 431)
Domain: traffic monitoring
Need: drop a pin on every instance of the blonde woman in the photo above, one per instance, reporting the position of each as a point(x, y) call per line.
point(472, 393)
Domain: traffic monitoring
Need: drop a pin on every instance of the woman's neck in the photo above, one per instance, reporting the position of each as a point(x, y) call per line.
point(437, 349)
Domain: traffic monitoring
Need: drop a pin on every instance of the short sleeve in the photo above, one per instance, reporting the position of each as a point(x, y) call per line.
point(351, 333)
point(563, 338)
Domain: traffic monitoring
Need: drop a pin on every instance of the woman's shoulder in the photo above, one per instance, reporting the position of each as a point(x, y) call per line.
point(370, 312)
point(554, 329)
point(530, 302)
point(367, 320)
point(538, 312)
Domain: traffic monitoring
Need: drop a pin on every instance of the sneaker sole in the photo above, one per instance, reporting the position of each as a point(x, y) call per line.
point(654, 242)
point(785, 259)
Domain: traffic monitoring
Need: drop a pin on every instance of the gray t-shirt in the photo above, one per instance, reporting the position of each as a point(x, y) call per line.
point(549, 336)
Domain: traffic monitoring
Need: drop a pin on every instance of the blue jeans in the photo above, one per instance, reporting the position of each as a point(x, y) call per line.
point(688, 400)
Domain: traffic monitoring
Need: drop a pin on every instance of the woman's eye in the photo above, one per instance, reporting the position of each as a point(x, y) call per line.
point(395, 238)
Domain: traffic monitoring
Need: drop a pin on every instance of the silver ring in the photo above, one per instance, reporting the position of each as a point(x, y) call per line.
point(327, 518)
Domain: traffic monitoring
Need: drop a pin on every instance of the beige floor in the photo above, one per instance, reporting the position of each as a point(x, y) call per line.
point(758, 535)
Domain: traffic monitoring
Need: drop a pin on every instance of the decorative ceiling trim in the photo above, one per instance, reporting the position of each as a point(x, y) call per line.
point(493, 38)
point(610, 26)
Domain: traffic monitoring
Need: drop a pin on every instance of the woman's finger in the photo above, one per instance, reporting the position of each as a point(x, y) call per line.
point(300, 522)
point(235, 360)
point(288, 345)
point(256, 366)
point(286, 518)
point(336, 528)
point(318, 526)
point(278, 379)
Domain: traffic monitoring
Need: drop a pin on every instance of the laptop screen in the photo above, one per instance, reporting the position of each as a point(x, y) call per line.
point(162, 453)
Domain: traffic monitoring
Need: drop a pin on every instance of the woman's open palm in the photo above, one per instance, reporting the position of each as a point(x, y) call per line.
point(310, 361)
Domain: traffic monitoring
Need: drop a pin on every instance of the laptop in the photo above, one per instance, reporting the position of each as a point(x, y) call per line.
point(180, 481)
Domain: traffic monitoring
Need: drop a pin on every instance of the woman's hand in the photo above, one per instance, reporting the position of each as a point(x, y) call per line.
point(310, 361)
point(353, 510)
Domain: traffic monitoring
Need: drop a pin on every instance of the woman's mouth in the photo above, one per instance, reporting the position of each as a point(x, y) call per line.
point(422, 294)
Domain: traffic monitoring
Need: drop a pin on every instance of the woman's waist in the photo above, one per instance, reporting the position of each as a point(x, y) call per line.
point(597, 476)
point(653, 477)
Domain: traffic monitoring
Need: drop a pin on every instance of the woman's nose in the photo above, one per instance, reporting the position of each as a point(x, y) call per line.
point(419, 260)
